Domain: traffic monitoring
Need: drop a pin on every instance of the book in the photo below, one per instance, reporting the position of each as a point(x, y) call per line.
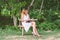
point(29, 20)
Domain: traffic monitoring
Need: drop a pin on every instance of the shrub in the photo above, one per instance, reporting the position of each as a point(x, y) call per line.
point(57, 22)
point(47, 26)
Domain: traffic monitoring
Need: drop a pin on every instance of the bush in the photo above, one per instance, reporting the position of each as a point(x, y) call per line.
point(47, 26)
point(57, 22)
point(47, 19)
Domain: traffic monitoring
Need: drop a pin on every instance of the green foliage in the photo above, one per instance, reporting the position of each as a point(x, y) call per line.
point(7, 27)
point(34, 13)
point(5, 12)
point(46, 19)
point(12, 7)
point(50, 12)
point(47, 26)
point(57, 22)
point(17, 7)
point(10, 30)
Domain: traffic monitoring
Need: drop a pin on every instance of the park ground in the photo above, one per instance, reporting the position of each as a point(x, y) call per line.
point(45, 35)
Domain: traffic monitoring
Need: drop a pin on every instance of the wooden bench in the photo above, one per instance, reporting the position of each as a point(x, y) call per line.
point(21, 27)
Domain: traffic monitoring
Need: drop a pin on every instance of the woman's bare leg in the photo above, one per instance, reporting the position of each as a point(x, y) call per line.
point(34, 29)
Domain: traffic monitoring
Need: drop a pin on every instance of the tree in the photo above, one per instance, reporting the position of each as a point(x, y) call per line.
point(12, 8)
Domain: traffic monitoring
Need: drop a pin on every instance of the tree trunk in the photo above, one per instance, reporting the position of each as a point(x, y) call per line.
point(15, 20)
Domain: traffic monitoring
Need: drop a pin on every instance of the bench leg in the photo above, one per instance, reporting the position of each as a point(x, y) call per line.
point(22, 31)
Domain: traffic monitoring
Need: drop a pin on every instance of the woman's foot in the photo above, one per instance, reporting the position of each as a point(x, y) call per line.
point(38, 35)
point(35, 34)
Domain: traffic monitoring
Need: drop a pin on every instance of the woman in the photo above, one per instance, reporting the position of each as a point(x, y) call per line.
point(26, 23)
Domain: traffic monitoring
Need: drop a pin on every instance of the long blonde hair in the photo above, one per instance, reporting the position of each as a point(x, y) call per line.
point(24, 11)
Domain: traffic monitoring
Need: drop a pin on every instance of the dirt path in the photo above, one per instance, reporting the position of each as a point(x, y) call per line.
point(30, 37)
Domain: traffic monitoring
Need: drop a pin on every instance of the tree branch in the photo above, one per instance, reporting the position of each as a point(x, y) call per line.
point(41, 6)
point(31, 4)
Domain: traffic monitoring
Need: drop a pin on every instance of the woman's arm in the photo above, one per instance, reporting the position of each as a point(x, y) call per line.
point(28, 16)
point(22, 18)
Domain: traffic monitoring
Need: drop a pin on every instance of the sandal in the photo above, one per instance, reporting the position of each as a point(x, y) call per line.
point(34, 34)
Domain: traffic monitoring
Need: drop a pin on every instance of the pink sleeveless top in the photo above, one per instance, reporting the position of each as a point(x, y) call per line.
point(25, 24)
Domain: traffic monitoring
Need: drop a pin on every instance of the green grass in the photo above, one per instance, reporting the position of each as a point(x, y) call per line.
point(15, 31)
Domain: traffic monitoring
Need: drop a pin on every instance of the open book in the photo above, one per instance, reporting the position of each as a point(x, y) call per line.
point(32, 19)
point(29, 20)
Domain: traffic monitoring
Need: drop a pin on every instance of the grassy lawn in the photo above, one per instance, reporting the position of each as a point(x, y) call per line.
point(15, 34)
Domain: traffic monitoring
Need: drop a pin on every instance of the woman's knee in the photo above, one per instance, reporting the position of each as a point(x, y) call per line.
point(33, 23)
